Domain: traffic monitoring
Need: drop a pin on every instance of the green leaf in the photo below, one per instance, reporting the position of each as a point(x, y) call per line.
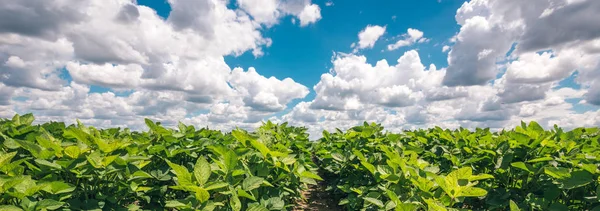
point(49, 204)
point(557, 172)
point(72, 151)
point(537, 160)
point(216, 185)
point(480, 177)
point(534, 126)
point(183, 175)
point(368, 166)
point(406, 207)
point(374, 201)
point(58, 187)
point(202, 170)
point(257, 207)
point(274, 203)
point(175, 204)
point(245, 194)
point(523, 166)
point(48, 164)
point(252, 183)
point(309, 174)
point(139, 175)
point(578, 178)
point(9, 208)
point(6, 158)
point(513, 206)
point(472, 192)
point(26, 119)
point(230, 160)
point(202, 195)
point(434, 205)
point(235, 203)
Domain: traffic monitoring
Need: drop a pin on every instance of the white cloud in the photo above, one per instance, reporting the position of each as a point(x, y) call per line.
point(356, 84)
point(490, 27)
point(263, 11)
point(445, 48)
point(368, 36)
point(310, 14)
point(268, 12)
point(167, 70)
point(411, 37)
point(265, 94)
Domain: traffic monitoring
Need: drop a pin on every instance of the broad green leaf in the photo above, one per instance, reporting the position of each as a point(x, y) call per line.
point(535, 127)
point(311, 175)
point(48, 164)
point(257, 207)
point(245, 194)
point(202, 195)
point(216, 185)
point(49, 204)
point(72, 151)
point(252, 183)
point(264, 150)
point(9, 208)
point(374, 201)
point(140, 175)
point(202, 170)
point(368, 166)
point(557, 172)
point(480, 177)
point(522, 166)
point(472, 192)
point(6, 158)
point(274, 203)
point(513, 206)
point(235, 203)
point(95, 159)
point(175, 204)
point(434, 205)
point(26, 119)
point(183, 175)
point(578, 178)
point(406, 207)
point(230, 160)
point(58, 187)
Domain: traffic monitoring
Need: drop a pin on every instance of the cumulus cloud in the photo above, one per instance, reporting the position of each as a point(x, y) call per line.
point(411, 37)
point(368, 37)
point(489, 28)
point(445, 48)
point(52, 53)
point(268, 12)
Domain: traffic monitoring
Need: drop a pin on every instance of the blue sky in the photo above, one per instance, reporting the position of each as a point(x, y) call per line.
point(305, 53)
point(210, 62)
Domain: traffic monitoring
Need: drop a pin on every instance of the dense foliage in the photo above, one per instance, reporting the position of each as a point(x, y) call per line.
point(54, 166)
point(526, 168)
point(58, 167)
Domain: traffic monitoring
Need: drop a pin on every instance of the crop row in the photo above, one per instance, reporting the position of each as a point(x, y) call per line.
point(53, 166)
point(527, 168)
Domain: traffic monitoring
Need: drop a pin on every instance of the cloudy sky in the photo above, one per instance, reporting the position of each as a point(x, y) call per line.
point(316, 63)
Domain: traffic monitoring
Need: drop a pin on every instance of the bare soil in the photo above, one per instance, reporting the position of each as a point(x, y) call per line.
point(317, 199)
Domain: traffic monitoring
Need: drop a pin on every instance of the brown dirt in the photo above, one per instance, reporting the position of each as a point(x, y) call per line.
point(317, 199)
